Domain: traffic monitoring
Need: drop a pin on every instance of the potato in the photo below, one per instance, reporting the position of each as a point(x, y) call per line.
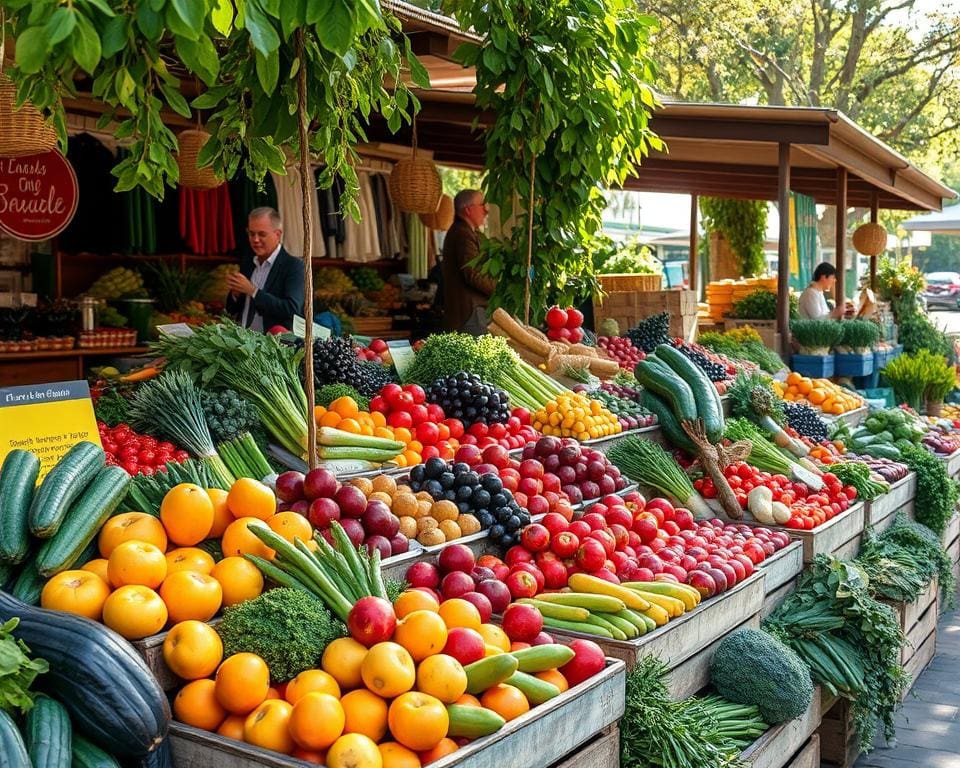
point(408, 526)
point(450, 529)
point(431, 537)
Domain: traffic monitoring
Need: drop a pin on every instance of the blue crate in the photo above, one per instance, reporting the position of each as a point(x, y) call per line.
point(813, 366)
point(882, 357)
point(854, 365)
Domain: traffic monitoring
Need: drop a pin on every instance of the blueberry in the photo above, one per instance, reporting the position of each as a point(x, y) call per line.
point(450, 495)
point(464, 493)
point(497, 501)
point(491, 483)
point(465, 507)
point(417, 473)
point(485, 518)
point(447, 480)
point(513, 523)
point(460, 467)
point(507, 494)
point(481, 498)
point(524, 517)
point(435, 467)
point(434, 488)
point(497, 530)
point(472, 477)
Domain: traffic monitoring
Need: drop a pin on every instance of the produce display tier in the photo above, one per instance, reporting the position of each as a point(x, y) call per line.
point(951, 542)
point(808, 756)
point(681, 638)
point(882, 511)
point(853, 418)
point(953, 463)
point(603, 751)
point(19, 368)
point(840, 536)
point(538, 739)
point(778, 747)
point(782, 573)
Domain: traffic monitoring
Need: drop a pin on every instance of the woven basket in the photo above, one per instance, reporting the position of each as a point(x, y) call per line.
point(442, 219)
point(415, 185)
point(624, 283)
point(870, 239)
point(22, 131)
point(191, 142)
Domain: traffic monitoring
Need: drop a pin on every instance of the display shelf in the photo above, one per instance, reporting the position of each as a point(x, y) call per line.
point(75, 352)
point(882, 511)
point(22, 368)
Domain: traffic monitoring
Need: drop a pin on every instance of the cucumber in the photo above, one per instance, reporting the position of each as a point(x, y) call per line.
point(627, 627)
point(13, 750)
point(674, 390)
point(62, 486)
point(83, 521)
point(29, 584)
point(472, 722)
point(536, 690)
point(704, 392)
point(6, 574)
point(48, 733)
point(87, 755)
point(565, 612)
point(489, 671)
point(667, 422)
point(18, 478)
point(540, 658)
point(576, 626)
point(600, 620)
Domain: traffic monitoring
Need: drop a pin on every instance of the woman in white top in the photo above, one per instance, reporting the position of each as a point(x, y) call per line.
point(813, 304)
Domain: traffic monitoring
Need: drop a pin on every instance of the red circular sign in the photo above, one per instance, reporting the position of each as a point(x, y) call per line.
point(38, 195)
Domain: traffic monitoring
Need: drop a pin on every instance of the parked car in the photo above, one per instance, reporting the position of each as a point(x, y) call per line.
point(943, 290)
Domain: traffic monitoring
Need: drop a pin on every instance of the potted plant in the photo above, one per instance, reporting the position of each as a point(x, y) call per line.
point(942, 382)
point(923, 378)
point(855, 350)
point(815, 339)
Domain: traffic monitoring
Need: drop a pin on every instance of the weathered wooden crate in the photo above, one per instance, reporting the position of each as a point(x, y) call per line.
point(882, 511)
point(603, 751)
point(918, 622)
point(782, 574)
point(840, 536)
point(951, 543)
point(681, 638)
point(953, 463)
point(808, 756)
point(538, 739)
point(627, 308)
point(777, 747)
point(693, 675)
point(839, 743)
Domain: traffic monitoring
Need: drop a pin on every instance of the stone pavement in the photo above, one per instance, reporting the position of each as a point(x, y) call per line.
point(928, 726)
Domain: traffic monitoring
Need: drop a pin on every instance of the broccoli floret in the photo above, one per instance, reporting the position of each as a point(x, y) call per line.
point(228, 415)
point(287, 628)
point(330, 392)
point(751, 666)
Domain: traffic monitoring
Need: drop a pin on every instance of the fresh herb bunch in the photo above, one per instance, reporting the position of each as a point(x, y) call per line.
point(228, 415)
point(112, 408)
point(850, 641)
point(17, 671)
point(927, 549)
point(860, 334)
point(330, 392)
point(745, 348)
point(174, 288)
point(937, 493)
point(916, 331)
point(857, 474)
point(631, 257)
point(650, 332)
point(752, 397)
point(921, 376)
point(817, 334)
point(759, 305)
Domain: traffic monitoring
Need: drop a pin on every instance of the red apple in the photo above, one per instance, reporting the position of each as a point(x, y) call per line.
point(371, 621)
point(497, 593)
point(465, 645)
point(290, 486)
point(322, 512)
point(399, 545)
point(456, 557)
point(703, 583)
point(351, 500)
point(557, 318)
point(588, 660)
point(423, 575)
point(321, 483)
point(565, 544)
point(456, 584)
point(381, 543)
point(482, 604)
point(535, 537)
point(378, 519)
point(522, 622)
point(517, 554)
point(591, 555)
point(579, 528)
point(521, 584)
point(354, 530)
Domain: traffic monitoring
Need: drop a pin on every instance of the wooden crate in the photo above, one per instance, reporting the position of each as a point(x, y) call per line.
point(766, 328)
point(693, 675)
point(808, 756)
point(839, 743)
point(371, 326)
point(600, 752)
point(953, 463)
point(882, 511)
point(951, 542)
point(918, 622)
point(782, 575)
point(630, 307)
point(537, 739)
point(840, 536)
point(681, 638)
point(777, 747)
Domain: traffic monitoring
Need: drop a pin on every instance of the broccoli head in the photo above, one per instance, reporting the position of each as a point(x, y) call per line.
point(751, 666)
point(228, 415)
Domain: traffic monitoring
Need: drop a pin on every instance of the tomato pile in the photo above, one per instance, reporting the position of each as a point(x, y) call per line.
point(516, 432)
point(137, 454)
point(406, 408)
point(807, 509)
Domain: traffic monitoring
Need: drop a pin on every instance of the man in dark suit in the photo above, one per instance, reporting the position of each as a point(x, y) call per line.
point(465, 290)
point(268, 290)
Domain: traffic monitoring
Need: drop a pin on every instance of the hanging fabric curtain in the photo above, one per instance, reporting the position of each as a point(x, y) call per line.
point(805, 213)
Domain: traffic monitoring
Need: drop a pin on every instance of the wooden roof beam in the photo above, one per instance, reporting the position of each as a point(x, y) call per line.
point(668, 127)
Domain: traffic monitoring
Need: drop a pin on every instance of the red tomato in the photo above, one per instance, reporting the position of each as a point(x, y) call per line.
point(745, 471)
point(147, 456)
point(734, 481)
point(850, 492)
point(379, 404)
point(398, 419)
point(428, 433)
point(181, 456)
point(456, 428)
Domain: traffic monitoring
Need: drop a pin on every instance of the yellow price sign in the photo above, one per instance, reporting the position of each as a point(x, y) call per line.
point(48, 419)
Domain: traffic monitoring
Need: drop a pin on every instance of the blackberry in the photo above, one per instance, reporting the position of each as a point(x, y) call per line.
point(650, 332)
point(806, 421)
point(465, 396)
point(335, 362)
point(714, 371)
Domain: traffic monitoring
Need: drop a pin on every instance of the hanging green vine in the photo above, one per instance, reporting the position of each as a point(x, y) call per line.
point(743, 224)
point(568, 84)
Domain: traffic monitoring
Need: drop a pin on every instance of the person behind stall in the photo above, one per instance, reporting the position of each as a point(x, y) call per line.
point(813, 302)
point(465, 290)
point(268, 290)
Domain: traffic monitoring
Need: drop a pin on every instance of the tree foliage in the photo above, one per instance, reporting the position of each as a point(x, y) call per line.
point(568, 84)
point(743, 224)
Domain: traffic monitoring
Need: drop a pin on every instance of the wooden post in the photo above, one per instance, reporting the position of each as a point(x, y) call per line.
point(783, 250)
point(694, 256)
point(874, 215)
point(841, 235)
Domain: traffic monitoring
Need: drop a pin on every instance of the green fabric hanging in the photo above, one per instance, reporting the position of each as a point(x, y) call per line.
point(806, 214)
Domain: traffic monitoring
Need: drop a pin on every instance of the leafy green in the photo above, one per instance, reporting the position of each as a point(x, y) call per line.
point(937, 493)
point(857, 474)
point(923, 375)
point(759, 305)
point(743, 224)
point(817, 334)
point(860, 334)
point(752, 397)
point(752, 350)
point(916, 332)
point(112, 408)
point(630, 257)
point(17, 671)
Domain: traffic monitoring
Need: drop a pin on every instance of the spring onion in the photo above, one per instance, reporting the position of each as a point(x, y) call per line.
point(649, 464)
point(766, 456)
point(243, 457)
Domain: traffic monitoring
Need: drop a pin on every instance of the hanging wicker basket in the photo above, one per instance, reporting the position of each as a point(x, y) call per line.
point(870, 239)
point(442, 219)
point(22, 131)
point(191, 142)
point(415, 185)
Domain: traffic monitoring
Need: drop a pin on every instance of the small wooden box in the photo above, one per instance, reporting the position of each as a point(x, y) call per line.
point(624, 283)
point(628, 308)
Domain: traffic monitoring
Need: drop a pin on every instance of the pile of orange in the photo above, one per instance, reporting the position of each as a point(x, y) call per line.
point(378, 707)
point(151, 571)
point(820, 393)
point(344, 414)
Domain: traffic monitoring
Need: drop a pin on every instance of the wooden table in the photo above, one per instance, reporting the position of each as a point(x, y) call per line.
point(18, 368)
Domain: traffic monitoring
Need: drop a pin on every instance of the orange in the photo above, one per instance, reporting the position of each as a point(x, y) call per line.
point(192, 650)
point(493, 635)
point(251, 498)
point(402, 434)
point(135, 612)
point(382, 431)
point(128, 527)
point(79, 592)
point(422, 633)
point(506, 701)
point(291, 525)
point(554, 677)
point(396, 755)
point(311, 681)
point(388, 669)
point(342, 660)
point(239, 579)
point(354, 750)
point(274, 693)
point(411, 457)
point(310, 756)
point(330, 419)
point(460, 613)
point(189, 559)
point(365, 713)
point(414, 600)
point(191, 595)
point(222, 516)
point(243, 681)
point(350, 425)
point(469, 700)
point(137, 562)
point(345, 406)
point(442, 676)
point(187, 514)
point(99, 567)
point(379, 420)
point(232, 727)
point(415, 446)
point(418, 720)
point(447, 746)
point(268, 726)
point(237, 539)
point(317, 721)
point(195, 704)
point(318, 413)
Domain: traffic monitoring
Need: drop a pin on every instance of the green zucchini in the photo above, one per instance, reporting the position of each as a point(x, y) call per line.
point(18, 479)
point(13, 750)
point(48, 732)
point(658, 378)
point(667, 422)
point(83, 521)
point(61, 487)
point(536, 690)
point(472, 722)
point(87, 755)
point(704, 392)
point(29, 584)
point(6, 574)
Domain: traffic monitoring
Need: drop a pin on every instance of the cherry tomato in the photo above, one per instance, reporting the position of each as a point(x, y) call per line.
point(181, 456)
point(745, 471)
point(734, 481)
point(850, 492)
point(147, 456)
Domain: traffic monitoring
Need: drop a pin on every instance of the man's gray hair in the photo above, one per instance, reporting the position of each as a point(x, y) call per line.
point(464, 199)
point(275, 218)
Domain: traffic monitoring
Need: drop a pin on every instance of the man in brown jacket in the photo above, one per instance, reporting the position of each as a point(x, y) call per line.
point(465, 290)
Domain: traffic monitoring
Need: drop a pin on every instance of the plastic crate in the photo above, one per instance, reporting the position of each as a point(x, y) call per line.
point(884, 394)
point(813, 366)
point(854, 365)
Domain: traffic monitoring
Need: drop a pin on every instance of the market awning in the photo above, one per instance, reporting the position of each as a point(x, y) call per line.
point(945, 222)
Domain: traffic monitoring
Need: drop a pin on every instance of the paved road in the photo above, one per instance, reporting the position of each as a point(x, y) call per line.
point(950, 321)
